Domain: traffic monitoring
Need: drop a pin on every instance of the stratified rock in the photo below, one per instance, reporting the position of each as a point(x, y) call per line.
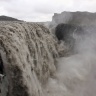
point(28, 53)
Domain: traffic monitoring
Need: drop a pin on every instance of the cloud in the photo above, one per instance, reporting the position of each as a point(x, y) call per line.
point(42, 10)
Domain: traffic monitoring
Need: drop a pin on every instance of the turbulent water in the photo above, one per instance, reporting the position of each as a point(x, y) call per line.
point(76, 74)
point(27, 57)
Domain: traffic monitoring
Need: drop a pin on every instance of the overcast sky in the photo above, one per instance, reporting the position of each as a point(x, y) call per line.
point(43, 10)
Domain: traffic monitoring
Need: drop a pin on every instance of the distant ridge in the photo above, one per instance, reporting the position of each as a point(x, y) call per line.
point(7, 18)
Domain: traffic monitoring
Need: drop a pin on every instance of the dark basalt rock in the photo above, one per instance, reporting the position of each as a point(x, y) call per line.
point(68, 33)
point(65, 31)
point(1, 66)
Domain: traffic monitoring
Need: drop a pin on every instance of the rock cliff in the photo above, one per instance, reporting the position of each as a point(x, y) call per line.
point(78, 18)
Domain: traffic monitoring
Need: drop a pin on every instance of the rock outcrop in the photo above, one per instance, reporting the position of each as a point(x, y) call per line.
point(28, 53)
point(69, 34)
point(78, 18)
point(67, 26)
point(66, 31)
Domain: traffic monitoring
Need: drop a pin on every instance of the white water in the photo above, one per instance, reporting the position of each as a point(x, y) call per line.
point(76, 74)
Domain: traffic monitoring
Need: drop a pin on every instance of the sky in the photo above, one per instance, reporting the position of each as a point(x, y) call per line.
point(43, 10)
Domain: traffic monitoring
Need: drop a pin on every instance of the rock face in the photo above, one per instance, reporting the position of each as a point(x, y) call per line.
point(78, 18)
point(28, 53)
point(67, 26)
point(68, 33)
point(65, 31)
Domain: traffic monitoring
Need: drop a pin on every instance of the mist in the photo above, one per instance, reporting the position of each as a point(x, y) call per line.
point(76, 74)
